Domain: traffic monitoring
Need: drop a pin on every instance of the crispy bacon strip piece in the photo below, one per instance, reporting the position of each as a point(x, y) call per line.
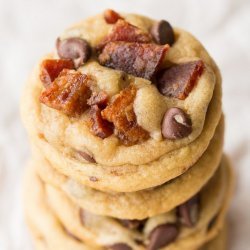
point(98, 125)
point(138, 59)
point(121, 113)
point(111, 16)
point(68, 93)
point(98, 98)
point(51, 68)
point(178, 81)
point(126, 32)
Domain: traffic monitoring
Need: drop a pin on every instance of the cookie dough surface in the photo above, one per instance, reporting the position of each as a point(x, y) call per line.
point(70, 135)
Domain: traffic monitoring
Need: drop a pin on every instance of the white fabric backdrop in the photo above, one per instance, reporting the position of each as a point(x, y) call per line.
point(28, 29)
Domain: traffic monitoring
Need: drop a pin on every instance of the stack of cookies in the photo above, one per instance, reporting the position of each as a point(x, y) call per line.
point(126, 129)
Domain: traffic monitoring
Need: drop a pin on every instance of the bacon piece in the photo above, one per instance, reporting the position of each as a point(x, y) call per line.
point(178, 81)
point(126, 32)
point(98, 98)
point(111, 16)
point(121, 113)
point(51, 68)
point(68, 93)
point(98, 125)
point(138, 59)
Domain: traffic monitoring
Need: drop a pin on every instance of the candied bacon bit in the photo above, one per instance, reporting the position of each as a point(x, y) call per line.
point(68, 93)
point(126, 32)
point(98, 98)
point(111, 16)
point(138, 59)
point(179, 80)
point(51, 68)
point(121, 113)
point(98, 125)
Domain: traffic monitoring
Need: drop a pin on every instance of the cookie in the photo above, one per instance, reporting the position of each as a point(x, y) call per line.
point(219, 242)
point(35, 203)
point(83, 223)
point(44, 225)
point(155, 200)
point(134, 149)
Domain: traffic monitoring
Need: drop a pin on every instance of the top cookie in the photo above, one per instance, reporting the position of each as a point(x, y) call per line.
point(123, 89)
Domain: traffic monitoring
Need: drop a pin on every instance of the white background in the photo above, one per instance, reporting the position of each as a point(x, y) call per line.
point(28, 29)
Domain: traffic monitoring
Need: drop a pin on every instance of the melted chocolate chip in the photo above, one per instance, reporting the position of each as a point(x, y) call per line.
point(86, 156)
point(133, 224)
point(163, 32)
point(176, 124)
point(74, 48)
point(120, 246)
point(81, 216)
point(188, 212)
point(93, 178)
point(162, 235)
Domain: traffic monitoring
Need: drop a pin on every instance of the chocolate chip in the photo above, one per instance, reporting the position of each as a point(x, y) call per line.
point(176, 124)
point(74, 48)
point(162, 235)
point(120, 246)
point(133, 224)
point(82, 216)
point(86, 156)
point(179, 80)
point(163, 32)
point(93, 179)
point(188, 212)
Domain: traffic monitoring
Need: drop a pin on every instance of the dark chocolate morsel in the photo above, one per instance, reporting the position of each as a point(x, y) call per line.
point(162, 235)
point(188, 212)
point(81, 216)
point(86, 156)
point(120, 246)
point(74, 48)
point(133, 224)
point(176, 124)
point(163, 32)
point(93, 178)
